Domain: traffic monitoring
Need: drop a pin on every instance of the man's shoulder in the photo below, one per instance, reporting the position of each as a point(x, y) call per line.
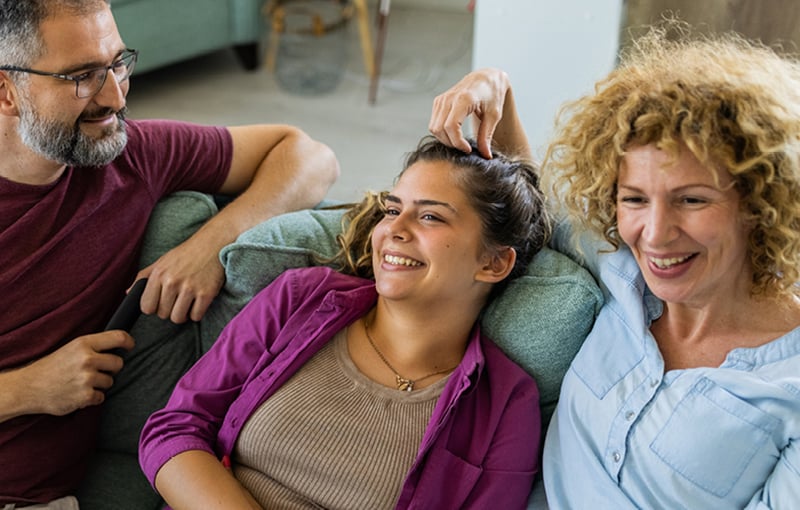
point(159, 126)
point(142, 128)
point(141, 133)
point(179, 155)
point(164, 136)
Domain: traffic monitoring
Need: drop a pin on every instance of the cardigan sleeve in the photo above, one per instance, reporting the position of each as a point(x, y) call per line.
point(198, 406)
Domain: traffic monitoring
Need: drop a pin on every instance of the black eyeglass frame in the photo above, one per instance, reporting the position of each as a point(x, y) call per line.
point(128, 54)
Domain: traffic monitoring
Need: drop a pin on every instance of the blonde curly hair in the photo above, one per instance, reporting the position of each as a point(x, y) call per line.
point(733, 103)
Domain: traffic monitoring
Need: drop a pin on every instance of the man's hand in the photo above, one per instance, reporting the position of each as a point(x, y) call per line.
point(73, 377)
point(183, 282)
point(275, 169)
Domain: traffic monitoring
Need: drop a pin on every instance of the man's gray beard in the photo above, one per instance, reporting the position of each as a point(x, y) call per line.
point(67, 144)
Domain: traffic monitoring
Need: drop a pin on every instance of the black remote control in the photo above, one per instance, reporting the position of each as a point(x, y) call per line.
point(129, 310)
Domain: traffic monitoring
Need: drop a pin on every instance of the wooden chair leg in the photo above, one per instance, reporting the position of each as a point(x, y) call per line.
point(276, 16)
point(383, 27)
point(365, 37)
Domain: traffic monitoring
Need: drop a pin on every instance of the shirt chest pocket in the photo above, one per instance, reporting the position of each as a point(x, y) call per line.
point(712, 438)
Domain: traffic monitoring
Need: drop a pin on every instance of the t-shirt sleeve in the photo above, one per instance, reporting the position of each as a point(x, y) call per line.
point(172, 156)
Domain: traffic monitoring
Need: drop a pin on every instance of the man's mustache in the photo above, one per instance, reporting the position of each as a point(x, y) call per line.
point(102, 113)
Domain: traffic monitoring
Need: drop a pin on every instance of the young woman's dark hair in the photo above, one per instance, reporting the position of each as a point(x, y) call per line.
point(503, 191)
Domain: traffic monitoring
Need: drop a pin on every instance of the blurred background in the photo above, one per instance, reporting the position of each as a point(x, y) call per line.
point(554, 51)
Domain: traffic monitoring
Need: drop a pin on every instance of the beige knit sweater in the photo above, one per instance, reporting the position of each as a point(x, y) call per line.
point(332, 438)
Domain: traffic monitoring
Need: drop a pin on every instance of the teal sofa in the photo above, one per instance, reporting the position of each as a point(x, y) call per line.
point(169, 31)
point(540, 321)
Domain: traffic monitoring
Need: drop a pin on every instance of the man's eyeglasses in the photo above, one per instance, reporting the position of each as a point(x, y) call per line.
point(89, 83)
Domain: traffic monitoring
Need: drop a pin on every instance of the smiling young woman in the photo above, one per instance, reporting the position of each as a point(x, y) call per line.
point(369, 387)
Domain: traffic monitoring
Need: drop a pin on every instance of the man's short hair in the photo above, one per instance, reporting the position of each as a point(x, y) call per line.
point(20, 38)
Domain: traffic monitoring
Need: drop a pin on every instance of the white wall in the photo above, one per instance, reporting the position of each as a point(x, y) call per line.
point(553, 50)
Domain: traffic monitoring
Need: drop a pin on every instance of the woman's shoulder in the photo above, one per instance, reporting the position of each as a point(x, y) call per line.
point(780, 356)
point(316, 274)
point(306, 282)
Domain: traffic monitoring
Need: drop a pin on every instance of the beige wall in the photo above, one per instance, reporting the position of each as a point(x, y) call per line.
point(771, 21)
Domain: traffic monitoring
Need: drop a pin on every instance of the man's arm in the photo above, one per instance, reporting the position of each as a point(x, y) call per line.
point(275, 169)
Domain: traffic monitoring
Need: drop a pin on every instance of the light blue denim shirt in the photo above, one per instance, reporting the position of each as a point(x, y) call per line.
point(627, 435)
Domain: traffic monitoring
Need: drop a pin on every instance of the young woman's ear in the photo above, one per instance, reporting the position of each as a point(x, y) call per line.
point(497, 265)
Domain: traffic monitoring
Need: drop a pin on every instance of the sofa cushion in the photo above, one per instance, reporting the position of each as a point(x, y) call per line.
point(163, 353)
point(260, 254)
point(162, 347)
point(540, 320)
point(174, 219)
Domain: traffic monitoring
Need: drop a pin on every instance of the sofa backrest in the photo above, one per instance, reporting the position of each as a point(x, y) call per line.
point(540, 320)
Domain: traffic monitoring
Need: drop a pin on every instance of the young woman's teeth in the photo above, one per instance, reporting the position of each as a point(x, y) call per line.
point(401, 261)
point(665, 263)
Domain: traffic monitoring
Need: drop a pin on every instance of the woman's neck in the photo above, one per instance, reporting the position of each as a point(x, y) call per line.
point(693, 336)
point(409, 349)
point(421, 338)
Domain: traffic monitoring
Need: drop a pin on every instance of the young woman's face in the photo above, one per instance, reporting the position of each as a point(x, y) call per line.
point(684, 229)
point(429, 244)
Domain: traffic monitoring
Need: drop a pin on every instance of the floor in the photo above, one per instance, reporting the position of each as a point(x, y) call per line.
point(426, 52)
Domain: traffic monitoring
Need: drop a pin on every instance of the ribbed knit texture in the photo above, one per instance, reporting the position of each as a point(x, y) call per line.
point(332, 438)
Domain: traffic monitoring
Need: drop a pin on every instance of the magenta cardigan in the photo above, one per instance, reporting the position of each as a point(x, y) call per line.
point(480, 448)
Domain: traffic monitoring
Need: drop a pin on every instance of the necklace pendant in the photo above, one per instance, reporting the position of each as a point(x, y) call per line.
point(404, 384)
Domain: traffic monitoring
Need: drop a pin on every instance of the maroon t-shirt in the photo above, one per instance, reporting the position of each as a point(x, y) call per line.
point(68, 251)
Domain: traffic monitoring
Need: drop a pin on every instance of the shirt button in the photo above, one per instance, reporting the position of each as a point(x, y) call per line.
point(630, 415)
point(654, 383)
point(616, 456)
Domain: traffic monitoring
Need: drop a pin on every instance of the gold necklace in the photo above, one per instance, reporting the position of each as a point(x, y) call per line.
point(403, 383)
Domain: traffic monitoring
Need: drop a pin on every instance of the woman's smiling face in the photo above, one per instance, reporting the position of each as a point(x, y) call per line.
point(683, 226)
point(429, 244)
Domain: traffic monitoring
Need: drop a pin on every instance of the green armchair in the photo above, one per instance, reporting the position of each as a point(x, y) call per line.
point(168, 31)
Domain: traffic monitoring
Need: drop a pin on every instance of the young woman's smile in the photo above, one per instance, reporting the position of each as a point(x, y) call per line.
point(430, 240)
